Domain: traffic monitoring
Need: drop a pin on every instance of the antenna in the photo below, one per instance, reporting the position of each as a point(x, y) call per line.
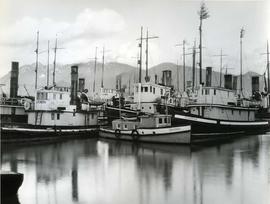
point(221, 55)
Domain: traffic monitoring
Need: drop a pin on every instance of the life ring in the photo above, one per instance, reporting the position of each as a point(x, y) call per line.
point(117, 133)
point(135, 135)
point(22, 101)
point(27, 105)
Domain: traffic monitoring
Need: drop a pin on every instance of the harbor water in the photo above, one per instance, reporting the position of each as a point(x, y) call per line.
point(112, 172)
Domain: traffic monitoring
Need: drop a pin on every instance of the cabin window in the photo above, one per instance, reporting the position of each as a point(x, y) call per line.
point(202, 91)
point(146, 89)
point(215, 91)
point(161, 91)
point(52, 116)
point(125, 126)
point(154, 90)
point(170, 100)
point(142, 107)
point(239, 112)
point(54, 96)
point(58, 116)
point(160, 120)
point(150, 88)
point(118, 125)
point(141, 89)
point(150, 107)
point(92, 115)
point(165, 120)
point(169, 120)
point(61, 96)
point(232, 112)
point(207, 91)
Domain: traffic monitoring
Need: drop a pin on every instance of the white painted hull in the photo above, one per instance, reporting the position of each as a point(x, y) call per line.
point(171, 135)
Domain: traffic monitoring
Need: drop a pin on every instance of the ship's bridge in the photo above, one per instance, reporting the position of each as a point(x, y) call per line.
point(216, 95)
point(54, 98)
point(149, 92)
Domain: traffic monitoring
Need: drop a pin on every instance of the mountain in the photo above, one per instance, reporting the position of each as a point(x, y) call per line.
point(128, 74)
point(86, 70)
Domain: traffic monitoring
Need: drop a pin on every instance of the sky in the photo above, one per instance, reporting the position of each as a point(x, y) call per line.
point(82, 25)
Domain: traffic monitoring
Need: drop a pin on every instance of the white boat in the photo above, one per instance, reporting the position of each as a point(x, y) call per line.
point(155, 128)
point(56, 112)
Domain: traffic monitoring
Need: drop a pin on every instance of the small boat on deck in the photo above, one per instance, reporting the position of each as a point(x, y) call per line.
point(154, 128)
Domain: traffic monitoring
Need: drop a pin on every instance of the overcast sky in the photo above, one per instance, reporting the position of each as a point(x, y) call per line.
point(81, 25)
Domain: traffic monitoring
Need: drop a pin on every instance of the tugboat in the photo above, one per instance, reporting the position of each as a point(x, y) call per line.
point(216, 112)
point(56, 112)
point(154, 128)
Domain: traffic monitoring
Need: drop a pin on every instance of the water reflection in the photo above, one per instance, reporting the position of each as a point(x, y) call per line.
point(91, 171)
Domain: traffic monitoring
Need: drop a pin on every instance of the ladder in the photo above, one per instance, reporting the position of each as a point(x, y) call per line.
point(38, 118)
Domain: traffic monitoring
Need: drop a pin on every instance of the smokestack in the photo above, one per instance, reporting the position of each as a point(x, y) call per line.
point(156, 79)
point(255, 84)
point(118, 82)
point(167, 77)
point(234, 82)
point(74, 85)
point(14, 76)
point(208, 76)
point(228, 81)
point(81, 84)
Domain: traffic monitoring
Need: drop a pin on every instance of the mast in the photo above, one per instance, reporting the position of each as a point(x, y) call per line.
point(241, 61)
point(268, 74)
point(147, 78)
point(48, 64)
point(54, 62)
point(193, 65)
point(221, 55)
point(204, 14)
point(36, 51)
point(140, 60)
point(95, 69)
point(184, 64)
point(102, 74)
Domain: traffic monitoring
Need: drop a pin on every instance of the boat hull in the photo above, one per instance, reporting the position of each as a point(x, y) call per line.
point(172, 135)
point(213, 129)
point(25, 134)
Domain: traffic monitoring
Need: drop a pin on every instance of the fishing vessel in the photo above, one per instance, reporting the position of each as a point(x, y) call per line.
point(154, 128)
point(56, 112)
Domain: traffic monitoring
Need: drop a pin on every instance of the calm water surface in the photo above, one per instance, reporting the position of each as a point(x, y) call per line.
point(91, 171)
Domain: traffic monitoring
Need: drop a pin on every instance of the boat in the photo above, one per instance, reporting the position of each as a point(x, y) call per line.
point(10, 183)
point(57, 112)
point(11, 105)
point(153, 128)
point(217, 112)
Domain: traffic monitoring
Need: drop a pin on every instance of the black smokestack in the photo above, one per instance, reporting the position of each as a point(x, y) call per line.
point(208, 76)
point(234, 82)
point(167, 77)
point(228, 81)
point(81, 84)
point(74, 85)
point(255, 84)
point(14, 76)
